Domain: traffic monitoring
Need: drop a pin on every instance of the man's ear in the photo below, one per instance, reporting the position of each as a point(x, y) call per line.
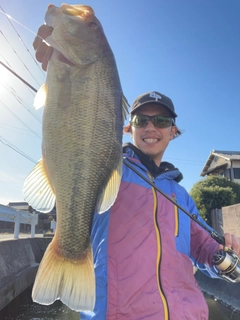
point(127, 129)
point(173, 132)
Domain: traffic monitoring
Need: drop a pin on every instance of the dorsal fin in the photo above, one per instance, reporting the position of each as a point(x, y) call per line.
point(125, 107)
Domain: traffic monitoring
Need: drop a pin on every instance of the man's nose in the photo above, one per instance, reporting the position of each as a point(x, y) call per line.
point(150, 126)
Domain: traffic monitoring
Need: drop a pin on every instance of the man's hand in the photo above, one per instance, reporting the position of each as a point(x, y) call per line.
point(43, 51)
point(232, 242)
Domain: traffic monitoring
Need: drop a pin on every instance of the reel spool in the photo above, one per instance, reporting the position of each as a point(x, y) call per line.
point(227, 265)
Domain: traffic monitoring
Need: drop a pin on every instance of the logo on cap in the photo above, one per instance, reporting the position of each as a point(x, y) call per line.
point(155, 95)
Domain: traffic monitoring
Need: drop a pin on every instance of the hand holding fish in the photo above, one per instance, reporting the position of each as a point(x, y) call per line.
point(43, 51)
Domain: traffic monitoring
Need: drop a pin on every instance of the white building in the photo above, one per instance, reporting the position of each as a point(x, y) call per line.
point(223, 163)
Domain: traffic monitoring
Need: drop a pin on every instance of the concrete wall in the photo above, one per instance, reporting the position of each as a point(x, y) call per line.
point(19, 260)
point(231, 219)
point(227, 219)
point(217, 221)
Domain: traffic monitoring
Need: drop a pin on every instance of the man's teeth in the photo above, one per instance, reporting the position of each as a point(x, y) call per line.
point(150, 140)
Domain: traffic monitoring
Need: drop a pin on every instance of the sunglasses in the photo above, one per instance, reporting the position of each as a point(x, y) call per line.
point(140, 121)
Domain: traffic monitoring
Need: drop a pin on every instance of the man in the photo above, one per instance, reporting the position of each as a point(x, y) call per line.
point(144, 246)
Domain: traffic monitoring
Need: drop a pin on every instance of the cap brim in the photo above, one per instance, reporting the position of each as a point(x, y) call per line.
point(154, 102)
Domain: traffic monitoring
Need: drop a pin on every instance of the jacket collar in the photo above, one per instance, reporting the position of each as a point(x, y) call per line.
point(133, 152)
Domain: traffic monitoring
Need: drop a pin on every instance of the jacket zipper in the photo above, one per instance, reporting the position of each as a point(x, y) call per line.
point(176, 213)
point(159, 253)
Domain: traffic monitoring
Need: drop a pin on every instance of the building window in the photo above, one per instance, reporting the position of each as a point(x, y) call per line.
point(236, 172)
point(227, 174)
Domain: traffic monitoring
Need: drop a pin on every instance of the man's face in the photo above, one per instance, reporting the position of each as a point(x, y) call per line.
point(152, 140)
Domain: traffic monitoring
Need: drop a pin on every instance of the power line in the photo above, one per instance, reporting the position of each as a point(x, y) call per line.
point(19, 100)
point(20, 120)
point(8, 144)
point(8, 127)
point(187, 161)
point(13, 92)
point(19, 58)
point(21, 40)
point(8, 16)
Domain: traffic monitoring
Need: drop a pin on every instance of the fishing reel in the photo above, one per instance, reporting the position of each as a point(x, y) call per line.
point(227, 265)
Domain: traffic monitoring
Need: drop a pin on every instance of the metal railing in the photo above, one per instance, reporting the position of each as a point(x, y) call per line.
point(17, 216)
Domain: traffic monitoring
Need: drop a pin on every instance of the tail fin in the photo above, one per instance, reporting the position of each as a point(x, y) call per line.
point(73, 282)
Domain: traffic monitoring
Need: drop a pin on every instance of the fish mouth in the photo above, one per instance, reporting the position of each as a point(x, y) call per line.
point(52, 17)
point(54, 13)
point(50, 6)
point(77, 10)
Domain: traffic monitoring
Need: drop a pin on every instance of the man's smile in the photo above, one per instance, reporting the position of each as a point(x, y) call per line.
point(150, 140)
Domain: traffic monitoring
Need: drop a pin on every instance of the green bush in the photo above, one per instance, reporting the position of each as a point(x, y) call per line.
point(214, 192)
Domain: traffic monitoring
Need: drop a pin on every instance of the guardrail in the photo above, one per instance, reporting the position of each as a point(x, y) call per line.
point(17, 216)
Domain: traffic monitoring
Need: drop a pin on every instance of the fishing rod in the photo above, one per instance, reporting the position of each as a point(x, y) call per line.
point(16, 75)
point(226, 262)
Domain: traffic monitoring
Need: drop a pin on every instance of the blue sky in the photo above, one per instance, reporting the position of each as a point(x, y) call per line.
point(186, 49)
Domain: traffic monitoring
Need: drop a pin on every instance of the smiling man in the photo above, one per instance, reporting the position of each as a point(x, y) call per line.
point(152, 124)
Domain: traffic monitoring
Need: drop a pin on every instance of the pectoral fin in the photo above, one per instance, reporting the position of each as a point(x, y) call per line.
point(37, 190)
point(109, 194)
point(40, 98)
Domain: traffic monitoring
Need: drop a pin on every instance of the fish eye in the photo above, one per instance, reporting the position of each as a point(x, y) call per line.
point(93, 25)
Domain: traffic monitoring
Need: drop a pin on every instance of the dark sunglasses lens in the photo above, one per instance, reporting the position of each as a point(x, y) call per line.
point(161, 122)
point(139, 121)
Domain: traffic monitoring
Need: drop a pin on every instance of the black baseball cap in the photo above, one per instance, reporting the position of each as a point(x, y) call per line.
point(153, 97)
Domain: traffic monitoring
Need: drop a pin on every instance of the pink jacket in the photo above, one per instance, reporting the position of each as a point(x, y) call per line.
point(144, 251)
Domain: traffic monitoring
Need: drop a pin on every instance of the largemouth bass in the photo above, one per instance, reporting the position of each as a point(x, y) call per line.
point(81, 160)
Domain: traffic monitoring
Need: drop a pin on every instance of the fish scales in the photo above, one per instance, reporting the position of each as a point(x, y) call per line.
point(82, 177)
point(81, 152)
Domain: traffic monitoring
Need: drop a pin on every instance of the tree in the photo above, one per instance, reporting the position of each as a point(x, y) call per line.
point(214, 192)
